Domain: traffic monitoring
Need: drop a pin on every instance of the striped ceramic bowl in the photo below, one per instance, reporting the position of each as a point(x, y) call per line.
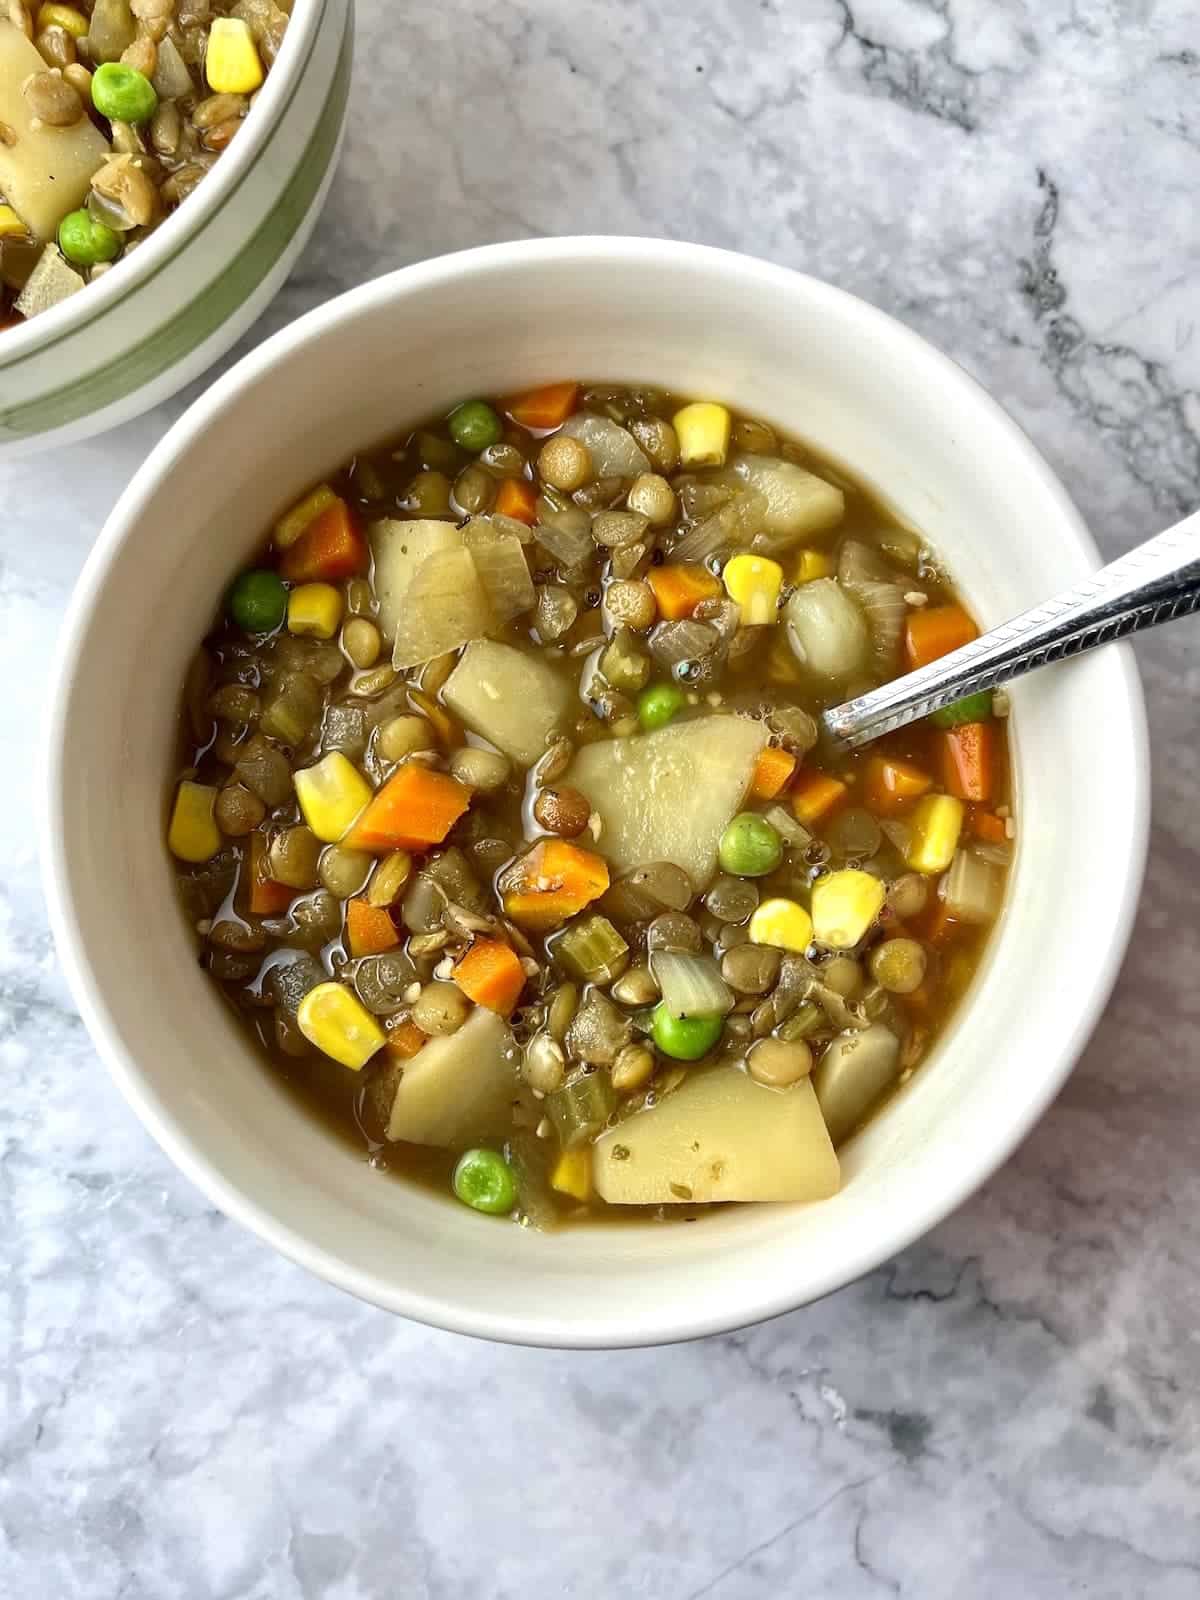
point(195, 286)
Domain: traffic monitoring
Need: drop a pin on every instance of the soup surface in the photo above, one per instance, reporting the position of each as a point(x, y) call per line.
point(506, 825)
point(113, 111)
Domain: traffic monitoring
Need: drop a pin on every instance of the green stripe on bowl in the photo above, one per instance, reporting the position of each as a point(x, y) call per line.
point(174, 340)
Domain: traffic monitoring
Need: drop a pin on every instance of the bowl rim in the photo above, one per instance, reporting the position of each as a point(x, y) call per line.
point(268, 1220)
point(37, 334)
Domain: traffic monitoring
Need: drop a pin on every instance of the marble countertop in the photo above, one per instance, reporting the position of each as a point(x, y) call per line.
point(1010, 1408)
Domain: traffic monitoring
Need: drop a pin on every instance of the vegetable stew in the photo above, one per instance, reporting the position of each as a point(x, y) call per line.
point(111, 113)
point(504, 821)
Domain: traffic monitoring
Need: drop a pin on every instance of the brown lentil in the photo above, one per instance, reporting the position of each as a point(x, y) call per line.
point(361, 642)
point(441, 1008)
point(779, 1063)
point(562, 810)
point(631, 602)
point(565, 463)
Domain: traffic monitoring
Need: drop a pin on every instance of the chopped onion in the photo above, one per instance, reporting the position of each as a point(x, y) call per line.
point(615, 452)
point(692, 986)
point(503, 572)
point(795, 503)
point(570, 545)
point(827, 631)
point(789, 830)
point(863, 572)
point(738, 519)
point(973, 888)
point(673, 642)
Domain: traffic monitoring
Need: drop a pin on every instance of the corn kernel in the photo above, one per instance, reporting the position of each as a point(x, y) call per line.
point(935, 825)
point(293, 523)
point(336, 1021)
point(781, 923)
point(231, 62)
point(10, 222)
point(331, 795)
point(66, 17)
point(754, 583)
point(315, 609)
point(573, 1172)
point(844, 905)
point(811, 564)
point(193, 834)
point(703, 431)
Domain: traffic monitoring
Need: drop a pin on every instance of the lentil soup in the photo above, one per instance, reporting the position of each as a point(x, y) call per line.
point(504, 822)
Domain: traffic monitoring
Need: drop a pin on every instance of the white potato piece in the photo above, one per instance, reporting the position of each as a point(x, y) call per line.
point(514, 701)
point(459, 1088)
point(854, 1074)
point(615, 452)
point(799, 504)
point(44, 172)
point(444, 607)
point(719, 1136)
point(50, 282)
point(398, 549)
point(669, 795)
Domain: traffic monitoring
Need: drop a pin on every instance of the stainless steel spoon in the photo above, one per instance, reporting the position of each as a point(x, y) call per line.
point(1156, 582)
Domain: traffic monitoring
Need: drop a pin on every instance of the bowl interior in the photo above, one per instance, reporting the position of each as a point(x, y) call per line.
point(817, 363)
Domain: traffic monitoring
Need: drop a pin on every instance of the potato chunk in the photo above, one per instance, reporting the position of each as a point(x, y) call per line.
point(668, 795)
point(44, 172)
point(513, 700)
point(398, 549)
point(459, 1088)
point(719, 1136)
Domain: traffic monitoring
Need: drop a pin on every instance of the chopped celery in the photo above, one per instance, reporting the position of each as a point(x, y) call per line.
point(291, 711)
point(624, 666)
point(580, 1109)
point(591, 950)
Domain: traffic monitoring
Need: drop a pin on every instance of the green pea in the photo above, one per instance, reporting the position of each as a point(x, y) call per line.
point(84, 241)
point(683, 1038)
point(258, 601)
point(123, 94)
point(475, 425)
point(660, 704)
point(750, 847)
point(484, 1181)
point(972, 708)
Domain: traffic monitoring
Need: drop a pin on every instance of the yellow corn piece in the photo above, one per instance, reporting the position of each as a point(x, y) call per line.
point(193, 834)
point(293, 523)
point(754, 583)
point(703, 430)
point(812, 564)
point(844, 905)
point(315, 609)
point(331, 795)
point(231, 62)
point(51, 16)
point(10, 222)
point(573, 1172)
point(783, 924)
point(336, 1021)
point(935, 825)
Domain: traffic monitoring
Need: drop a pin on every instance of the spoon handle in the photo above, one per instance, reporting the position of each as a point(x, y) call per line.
point(1155, 582)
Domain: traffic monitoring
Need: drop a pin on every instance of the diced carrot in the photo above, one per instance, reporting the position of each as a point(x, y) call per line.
point(369, 929)
point(969, 760)
point(772, 773)
point(331, 547)
point(547, 407)
point(404, 1040)
point(986, 825)
point(491, 974)
point(891, 783)
point(415, 808)
point(679, 590)
point(266, 897)
point(815, 794)
point(516, 497)
point(552, 882)
point(934, 632)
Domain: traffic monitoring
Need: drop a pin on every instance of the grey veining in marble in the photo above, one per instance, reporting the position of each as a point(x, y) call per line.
point(1010, 1409)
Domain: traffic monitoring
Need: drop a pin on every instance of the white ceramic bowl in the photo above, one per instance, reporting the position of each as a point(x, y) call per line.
point(185, 296)
point(785, 347)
